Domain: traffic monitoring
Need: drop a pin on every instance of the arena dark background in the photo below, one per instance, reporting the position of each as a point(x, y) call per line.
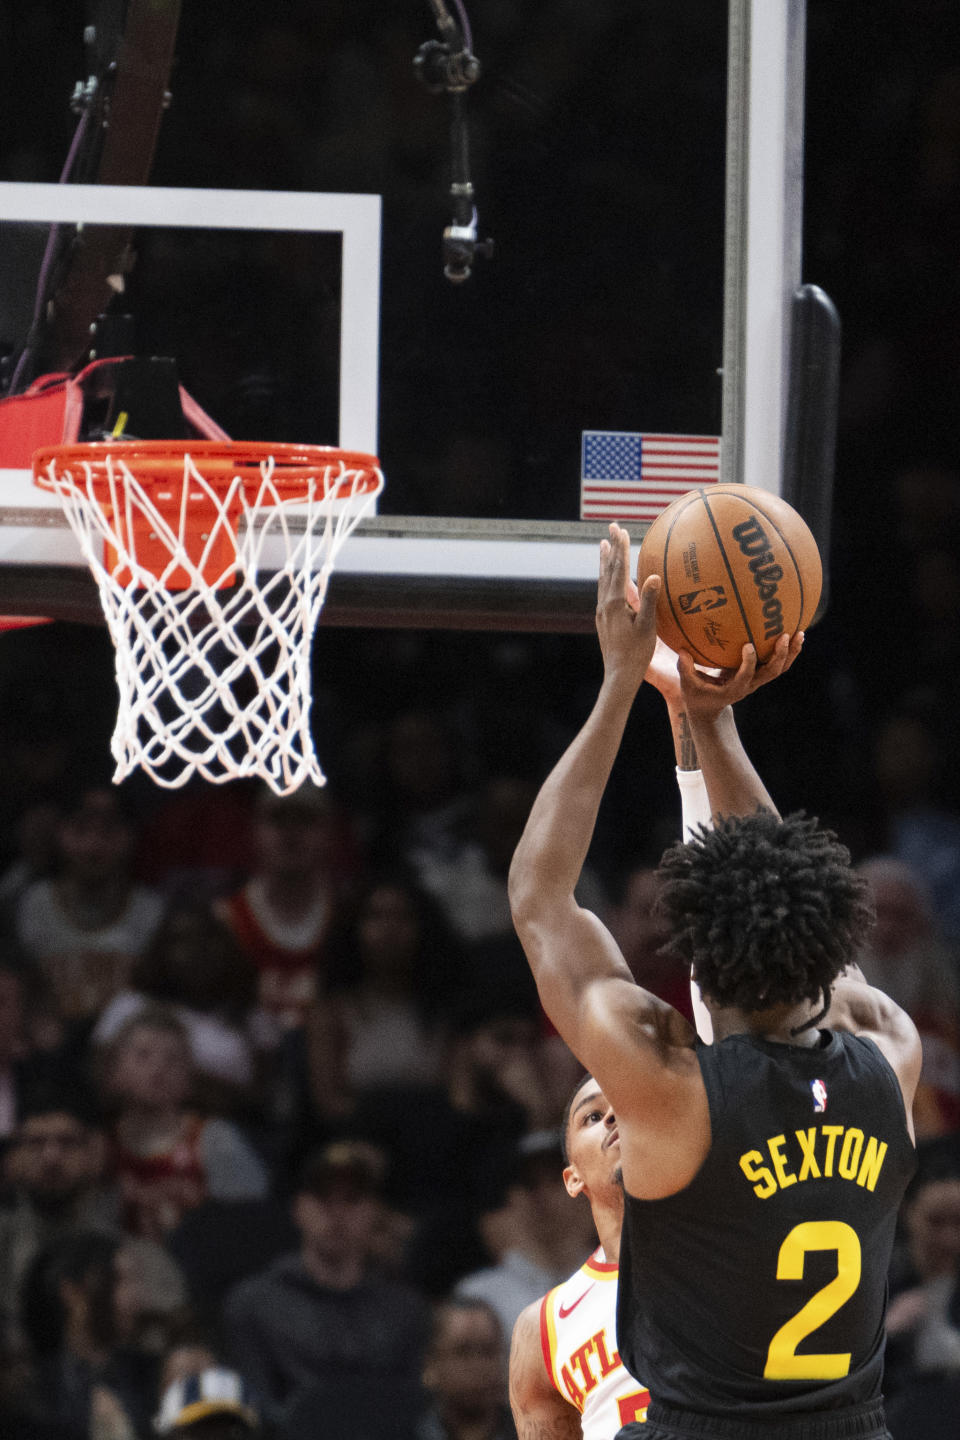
point(490, 384)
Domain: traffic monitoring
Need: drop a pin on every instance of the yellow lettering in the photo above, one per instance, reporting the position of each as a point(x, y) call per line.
point(808, 1144)
point(831, 1132)
point(850, 1153)
point(872, 1162)
point(763, 1182)
point(786, 1177)
point(856, 1157)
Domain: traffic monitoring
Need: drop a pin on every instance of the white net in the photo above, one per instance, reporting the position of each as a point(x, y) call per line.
point(211, 593)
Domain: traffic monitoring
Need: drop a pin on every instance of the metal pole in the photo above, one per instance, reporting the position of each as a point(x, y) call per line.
point(763, 231)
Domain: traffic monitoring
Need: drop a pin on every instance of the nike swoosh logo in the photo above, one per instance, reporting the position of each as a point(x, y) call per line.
point(563, 1312)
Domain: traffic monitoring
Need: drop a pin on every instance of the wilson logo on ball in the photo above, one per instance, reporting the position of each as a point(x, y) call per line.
point(695, 601)
point(767, 574)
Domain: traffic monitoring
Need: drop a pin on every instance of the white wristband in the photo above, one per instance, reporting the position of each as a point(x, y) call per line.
point(696, 812)
point(694, 801)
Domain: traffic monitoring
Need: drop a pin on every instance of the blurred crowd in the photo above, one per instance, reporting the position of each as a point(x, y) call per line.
point(278, 1106)
point(280, 1112)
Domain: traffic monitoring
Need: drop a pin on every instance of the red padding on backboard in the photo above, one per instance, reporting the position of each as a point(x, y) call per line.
point(51, 411)
point(46, 414)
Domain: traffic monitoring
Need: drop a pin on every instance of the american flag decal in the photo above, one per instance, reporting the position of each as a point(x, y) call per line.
point(625, 476)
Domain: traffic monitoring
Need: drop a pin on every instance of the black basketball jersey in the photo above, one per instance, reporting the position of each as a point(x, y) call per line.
point(760, 1288)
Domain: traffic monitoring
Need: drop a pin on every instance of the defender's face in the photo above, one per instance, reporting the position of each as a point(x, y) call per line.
point(593, 1142)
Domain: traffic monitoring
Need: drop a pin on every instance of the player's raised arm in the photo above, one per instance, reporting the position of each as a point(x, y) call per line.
point(539, 1410)
point(584, 982)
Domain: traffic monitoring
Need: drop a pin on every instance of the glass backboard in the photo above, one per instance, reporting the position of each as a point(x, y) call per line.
point(638, 170)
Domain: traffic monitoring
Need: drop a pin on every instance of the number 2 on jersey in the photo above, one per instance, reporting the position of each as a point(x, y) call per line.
point(783, 1362)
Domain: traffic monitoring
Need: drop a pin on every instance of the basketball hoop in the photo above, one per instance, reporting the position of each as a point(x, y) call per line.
point(212, 560)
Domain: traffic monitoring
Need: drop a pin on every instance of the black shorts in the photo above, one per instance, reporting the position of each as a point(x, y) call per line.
point(668, 1422)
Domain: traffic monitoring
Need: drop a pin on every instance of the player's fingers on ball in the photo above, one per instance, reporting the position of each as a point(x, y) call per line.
point(743, 678)
point(687, 667)
point(691, 679)
point(748, 662)
point(791, 652)
point(777, 661)
point(648, 596)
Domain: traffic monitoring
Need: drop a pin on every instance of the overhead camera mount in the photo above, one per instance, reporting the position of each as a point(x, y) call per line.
point(448, 66)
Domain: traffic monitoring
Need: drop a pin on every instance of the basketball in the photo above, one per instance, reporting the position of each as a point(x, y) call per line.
point(738, 566)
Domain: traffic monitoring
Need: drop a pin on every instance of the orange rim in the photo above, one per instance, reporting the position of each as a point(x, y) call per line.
point(158, 461)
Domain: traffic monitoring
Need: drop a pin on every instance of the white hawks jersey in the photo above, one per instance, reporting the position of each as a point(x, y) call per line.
point(578, 1336)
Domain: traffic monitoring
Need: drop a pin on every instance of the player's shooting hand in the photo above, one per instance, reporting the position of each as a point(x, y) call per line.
point(706, 695)
point(626, 617)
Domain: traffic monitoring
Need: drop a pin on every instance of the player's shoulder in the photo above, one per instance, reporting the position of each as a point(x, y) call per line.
point(530, 1373)
point(526, 1327)
point(864, 1016)
point(529, 1325)
point(861, 1010)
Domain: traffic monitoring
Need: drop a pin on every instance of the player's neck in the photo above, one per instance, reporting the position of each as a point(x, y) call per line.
point(608, 1218)
point(783, 1024)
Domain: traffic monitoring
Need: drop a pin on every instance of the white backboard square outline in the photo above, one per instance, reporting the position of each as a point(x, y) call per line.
point(356, 218)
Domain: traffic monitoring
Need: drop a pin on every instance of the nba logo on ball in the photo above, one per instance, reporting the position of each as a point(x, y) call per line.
point(696, 600)
point(819, 1096)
